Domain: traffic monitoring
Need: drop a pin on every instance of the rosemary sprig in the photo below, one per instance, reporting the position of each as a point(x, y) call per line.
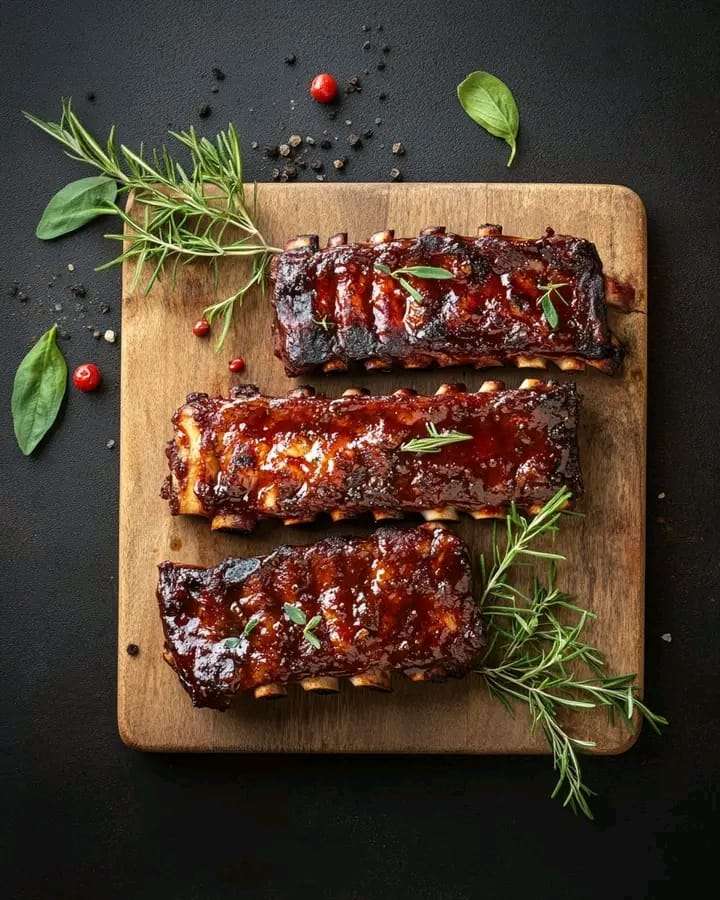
point(325, 323)
point(536, 654)
point(181, 220)
point(550, 314)
point(432, 272)
point(435, 441)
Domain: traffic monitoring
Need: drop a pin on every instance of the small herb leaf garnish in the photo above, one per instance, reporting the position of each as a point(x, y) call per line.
point(536, 653)
point(429, 272)
point(489, 102)
point(231, 643)
point(38, 390)
point(424, 272)
point(550, 314)
point(76, 204)
point(324, 323)
point(435, 441)
point(250, 626)
point(294, 613)
point(309, 632)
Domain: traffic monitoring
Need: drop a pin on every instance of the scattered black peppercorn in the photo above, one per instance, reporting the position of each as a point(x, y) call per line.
point(325, 144)
point(204, 111)
point(395, 175)
point(381, 66)
point(310, 141)
point(254, 145)
point(354, 141)
point(272, 151)
point(368, 133)
point(366, 45)
point(275, 174)
point(366, 28)
point(214, 89)
point(386, 48)
point(339, 163)
point(398, 149)
point(320, 178)
point(104, 309)
point(290, 59)
point(79, 290)
point(218, 74)
point(97, 334)
point(90, 96)
point(378, 121)
point(317, 165)
point(382, 96)
point(291, 172)
point(22, 297)
point(133, 649)
point(332, 114)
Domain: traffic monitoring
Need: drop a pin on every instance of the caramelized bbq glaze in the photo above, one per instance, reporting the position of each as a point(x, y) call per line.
point(250, 457)
point(397, 600)
point(334, 309)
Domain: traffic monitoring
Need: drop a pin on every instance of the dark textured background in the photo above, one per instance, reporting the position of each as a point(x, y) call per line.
point(620, 92)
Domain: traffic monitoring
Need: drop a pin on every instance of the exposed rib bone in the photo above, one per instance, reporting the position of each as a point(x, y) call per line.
point(382, 237)
point(405, 392)
point(299, 520)
point(381, 515)
point(487, 514)
point(434, 229)
point(337, 240)
point(335, 365)
point(530, 362)
point(321, 685)
point(339, 515)
point(311, 241)
point(302, 392)
point(457, 388)
point(488, 230)
point(438, 674)
point(443, 514)
point(270, 692)
point(228, 521)
point(356, 392)
point(570, 364)
point(377, 364)
point(377, 679)
point(529, 384)
point(488, 387)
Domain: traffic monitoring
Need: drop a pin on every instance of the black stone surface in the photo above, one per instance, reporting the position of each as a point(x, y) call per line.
point(623, 92)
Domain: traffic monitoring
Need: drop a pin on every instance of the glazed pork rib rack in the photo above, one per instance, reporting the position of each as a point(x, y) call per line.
point(397, 600)
point(334, 308)
point(250, 457)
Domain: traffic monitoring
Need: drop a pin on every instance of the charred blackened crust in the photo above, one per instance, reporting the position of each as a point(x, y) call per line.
point(248, 457)
point(394, 601)
point(335, 310)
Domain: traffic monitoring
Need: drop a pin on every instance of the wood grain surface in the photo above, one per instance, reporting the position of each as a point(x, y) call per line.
point(162, 362)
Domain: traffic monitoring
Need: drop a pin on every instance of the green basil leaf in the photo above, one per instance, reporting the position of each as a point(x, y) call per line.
point(425, 272)
point(381, 267)
point(295, 614)
point(38, 390)
point(414, 292)
point(549, 311)
point(313, 623)
point(489, 102)
point(75, 204)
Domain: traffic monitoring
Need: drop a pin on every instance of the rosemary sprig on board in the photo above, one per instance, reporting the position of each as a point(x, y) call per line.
point(537, 655)
point(435, 440)
point(181, 222)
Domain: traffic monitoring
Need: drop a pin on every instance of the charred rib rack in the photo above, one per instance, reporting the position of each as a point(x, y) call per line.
point(334, 308)
point(250, 457)
point(398, 600)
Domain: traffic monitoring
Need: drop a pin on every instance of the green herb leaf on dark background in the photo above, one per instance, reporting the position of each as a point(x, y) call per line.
point(489, 102)
point(38, 390)
point(75, 204)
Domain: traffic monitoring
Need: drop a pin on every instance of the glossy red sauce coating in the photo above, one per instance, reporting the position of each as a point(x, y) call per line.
point(397, 600)
point(334, 309)
point(295, 457)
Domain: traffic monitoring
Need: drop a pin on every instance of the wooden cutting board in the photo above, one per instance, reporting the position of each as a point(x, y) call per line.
point(162, 362)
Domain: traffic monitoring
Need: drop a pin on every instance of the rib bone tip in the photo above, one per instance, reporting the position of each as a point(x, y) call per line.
point(377, 679)
point(529, 384)
point(270, 692)
point(488, 387)
point(321, 685)
point(442, 514)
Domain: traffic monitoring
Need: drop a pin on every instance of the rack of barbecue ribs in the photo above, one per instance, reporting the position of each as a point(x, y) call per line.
point(356, 608)
point(250, 457)
point(343, 305)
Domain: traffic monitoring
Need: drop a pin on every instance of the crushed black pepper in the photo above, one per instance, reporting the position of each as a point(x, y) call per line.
point(132, 649)
point(204, 111)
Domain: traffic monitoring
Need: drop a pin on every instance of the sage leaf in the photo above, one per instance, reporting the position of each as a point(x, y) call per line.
point(75, 204)
point(414, 292)
point(425, 272)
point(38, 390)
point(489, 102)
point(312, 639)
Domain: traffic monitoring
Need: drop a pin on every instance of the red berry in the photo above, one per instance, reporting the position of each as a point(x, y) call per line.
point(237, 364)
point(201, 328)
point(323, 88)
point(87, 377)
